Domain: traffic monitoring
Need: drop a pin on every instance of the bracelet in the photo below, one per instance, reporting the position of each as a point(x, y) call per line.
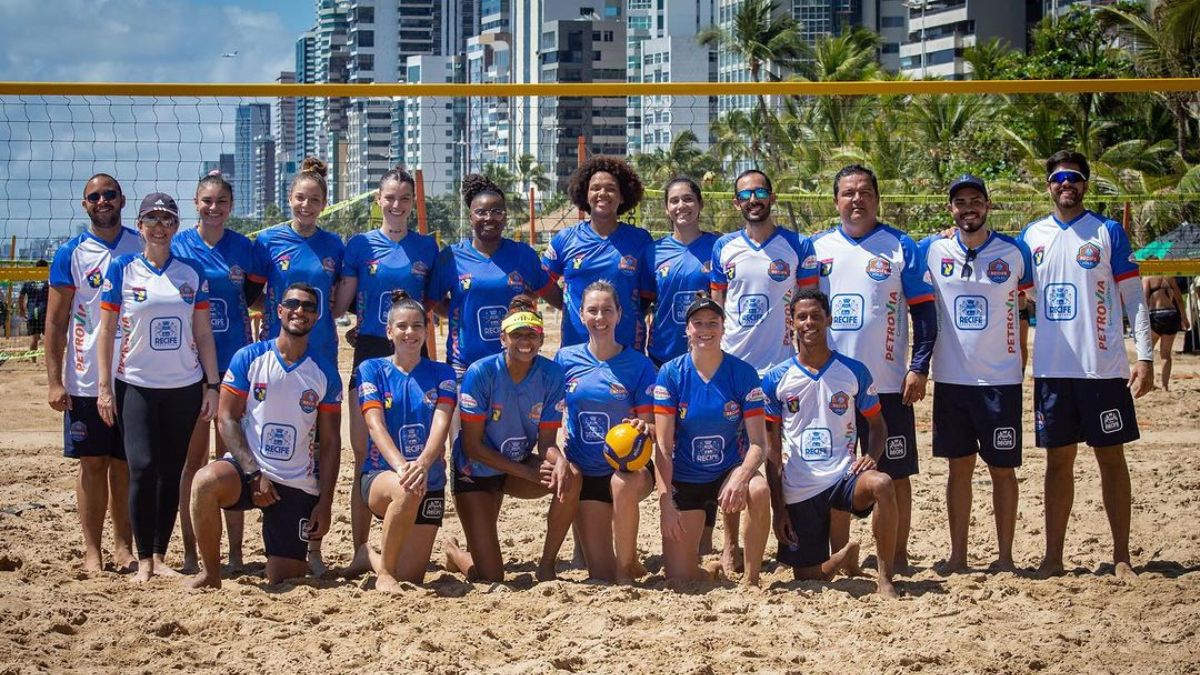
point(213, 386)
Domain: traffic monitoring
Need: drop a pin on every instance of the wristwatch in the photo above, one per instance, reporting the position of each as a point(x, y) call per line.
point(253, 475)
point(214, 386)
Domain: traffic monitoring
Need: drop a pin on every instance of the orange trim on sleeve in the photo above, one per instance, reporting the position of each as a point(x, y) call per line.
point(368, 405)
point(544, 289)
point(1128, 275)
point(808, 281)
point(1024, 287)
point(872, 411)
point(642, 409)
point(110, 306)
point(256, 279)
point(717, 287)
point(473, 418)
point(754, 412)
point(446, 400)
point(203, 304)
point(234, 390)
point(664, 409)
point(774, 418)
point(928, 297)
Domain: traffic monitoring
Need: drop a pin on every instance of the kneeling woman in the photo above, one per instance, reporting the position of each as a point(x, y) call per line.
point(511, 411)
point(606, 383)
point(407, 401)
point(708, 408)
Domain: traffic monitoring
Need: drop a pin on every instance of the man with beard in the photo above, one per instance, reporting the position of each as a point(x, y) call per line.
point(278, 402)
point(72, 324)
point(1084, 273)
point(978, 362)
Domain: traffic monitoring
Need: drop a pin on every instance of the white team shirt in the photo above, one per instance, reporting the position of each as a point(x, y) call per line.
point(978, 321)
point(1076, 269)
point(80, 265)
point(282, 402)
point(758, 282)
point(870, 283)
point(155, 306)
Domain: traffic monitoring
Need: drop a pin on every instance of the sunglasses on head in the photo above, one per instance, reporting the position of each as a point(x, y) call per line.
point(967, 270)
point(108, 195)
point(1067, 176)
point(293, 304)
point(757, 193)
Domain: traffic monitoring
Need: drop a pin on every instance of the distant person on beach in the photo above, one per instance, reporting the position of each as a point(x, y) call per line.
point(31, 304)
point(1168, 317)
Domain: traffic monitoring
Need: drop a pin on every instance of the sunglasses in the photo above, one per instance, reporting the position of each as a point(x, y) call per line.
point(108, 195)
point(757, 193)
point(967, 270)
point(495, 213)
point(1067, 176)
point(293, 304)
point(161, 221)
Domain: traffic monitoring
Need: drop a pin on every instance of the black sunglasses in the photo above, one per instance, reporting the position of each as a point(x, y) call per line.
point(294, 304)
point(108, 195)
point(967, 270)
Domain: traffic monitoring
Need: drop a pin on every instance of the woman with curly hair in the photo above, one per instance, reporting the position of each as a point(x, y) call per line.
point(602, 247)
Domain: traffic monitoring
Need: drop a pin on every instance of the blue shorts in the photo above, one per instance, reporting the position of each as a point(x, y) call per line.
point(899, 458)
point(86, 435)
point(810, 521)
point(1071, 410)
point(981, 419)
point(431, 510)
point(283, 523)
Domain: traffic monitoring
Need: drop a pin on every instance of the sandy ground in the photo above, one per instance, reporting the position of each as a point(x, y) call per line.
point(55, 618)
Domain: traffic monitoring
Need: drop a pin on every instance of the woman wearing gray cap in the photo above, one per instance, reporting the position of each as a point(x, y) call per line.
point(166, 353)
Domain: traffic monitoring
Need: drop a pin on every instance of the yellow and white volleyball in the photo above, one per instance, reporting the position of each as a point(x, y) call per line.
point(626, 448)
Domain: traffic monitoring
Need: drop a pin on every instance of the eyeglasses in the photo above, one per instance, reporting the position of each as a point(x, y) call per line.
point(108, 195)
point(293, 304)
point(495, 213)
point(967, 270)
point(757, 193)
point(160, 221)
point(1067, 176)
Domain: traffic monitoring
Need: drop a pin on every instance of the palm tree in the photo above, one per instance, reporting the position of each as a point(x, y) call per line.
point(529, 173)
point(992, 59)
point(941, 123)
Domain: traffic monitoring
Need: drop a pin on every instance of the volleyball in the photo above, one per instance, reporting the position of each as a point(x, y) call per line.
point(626, 448)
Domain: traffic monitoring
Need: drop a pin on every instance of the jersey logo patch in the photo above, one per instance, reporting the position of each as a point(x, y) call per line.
point(895, 447)
point(628, 265)
point(793, 404)
point(372, 267)
point(816, 444)
point(970, 312)
point(95, 278)
point(1004, 438)
point(1059, 302)
point(166, 334)
point(284, 262)
point(464, 282)
point(847, 311)
point(1088, 256)
point(1111, 422)
point(278, 441)
point(577, 262)
point(139, 294)
point(1039, 421)
point(683, 411)
point(187, 293)
point(420, 269)
point(732, 410)
point(1038, 254)
point(535, 412)
point(839, 403)
point(663, 270)
point(810, 263)
point(572, 384)
point(433, 507)
point(497, 411)
point(328, 265)
point(947, 267)
point(260, 391)
point(429, 398)
point(309, 400)
point(236, 274)
point(779, 269)
point(618, 391)
point(387, 401)
point(879, 268)
point(467, 401)
point(730, 270)
point(998, 271)
point(515, 448)
point(593, 426)
point(516, 282)
point(826, 267)
point(756, 395)
point(708, 450)
point(752, 309)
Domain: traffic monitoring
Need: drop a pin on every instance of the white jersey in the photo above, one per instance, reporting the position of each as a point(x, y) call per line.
point(80, 265)
point(155, 307)
point(820, 433)
point(282, 402)
point(758, 282)
point(870, 283)
point(978, 321)
point(1076, 269)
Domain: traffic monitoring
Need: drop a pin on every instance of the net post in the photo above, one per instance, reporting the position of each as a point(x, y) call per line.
point(12, 255)
point(580, 153)
point(532, 218)
point(419, 180)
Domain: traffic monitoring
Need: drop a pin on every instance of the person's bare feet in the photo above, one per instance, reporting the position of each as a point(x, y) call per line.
point(1124, 570)
point(1050, 568)
point(360, 565)
point(900, 564)
point(547, 570)
point(632, 572)
point(235, 559)
point(850, 566)
point(316, 565)
point(202, 580)
point(145, 572)
point(386, 583)
point(93, 561)
point(162, 569)
point(954, 566)
point(733, 559)
point(125, 561)
point(885, 588)
point(715, 572)
point(1002, 565)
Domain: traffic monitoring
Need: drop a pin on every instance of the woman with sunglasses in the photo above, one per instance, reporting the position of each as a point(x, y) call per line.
point(602, 247)
point(165, 373)
point(377, 263)
point(407, 401)
point(607, 383)
point(511, 411)
point(234, 283)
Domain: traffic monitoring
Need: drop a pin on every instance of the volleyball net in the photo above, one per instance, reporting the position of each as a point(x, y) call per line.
point(917, 136)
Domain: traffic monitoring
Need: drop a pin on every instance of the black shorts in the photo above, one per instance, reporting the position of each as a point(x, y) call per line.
point(284, 522)
point(810, 521)
point(35, 326)
point(698, 496)
point(899, 459)
point(463, 484)
point(1071, 410)
point(430, 512)
point(1165, 321)
point(368, 347)
point(981, 419)
point(599, 488)
point(86, 435)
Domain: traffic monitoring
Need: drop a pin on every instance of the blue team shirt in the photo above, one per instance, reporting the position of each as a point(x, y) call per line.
point(600, 394)
point(512, 413)
point(709, 416)
point(408, 401)
point(227, 266)
point(382, 266)
point(479, 288)
point(677, 272)
point(580, 256)
point(287, 258)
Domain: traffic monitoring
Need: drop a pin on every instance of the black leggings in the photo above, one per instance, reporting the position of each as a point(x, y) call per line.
point(157, 426)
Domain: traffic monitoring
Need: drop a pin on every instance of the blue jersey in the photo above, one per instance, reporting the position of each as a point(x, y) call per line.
point(599, 395)
point(227, 266)
point(287, 258)
point(580, 256)
point(382, 266)
point(512, 413)
point(479, 288)
point(407, 401)
point(709, 416)
point(678, 271)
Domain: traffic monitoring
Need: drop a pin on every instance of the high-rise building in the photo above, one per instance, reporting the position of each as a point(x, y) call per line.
point(331, 35)
point(251, 122)
point(262, 175)
point(940, 31)
point(285, 141)
point(428, 128)
point(306, 107)
point(489, 61)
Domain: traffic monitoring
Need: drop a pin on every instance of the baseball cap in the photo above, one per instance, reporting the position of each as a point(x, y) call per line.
point(703, 301)
point(967, 180)
point(158, 201)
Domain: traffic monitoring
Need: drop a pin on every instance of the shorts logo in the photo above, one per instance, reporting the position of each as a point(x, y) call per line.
point(516, 282)
point(793, 404)
point(166, 334)
point(420, 269)
point(879, 268)
point(708, 450)
point(998, 271)
point(1111, 422)
point(139, 294)
point(464, 282)
point(187, 293)
point(826, 267)
point(260, 391)
point(284, 262)
point(732, 410)
point(433, 507)
point(1039, 254)
point(278, 441)
point(839, 403)
point(947, 267)
point(95, 278)
point(236, 274)
point(1088, 256)
point(779, 269)
point(628, 265)
point(618, 391)
point(535, 412)
point(895, 448)
point(1004, 438)
point(309, 400)
point(372, 267)
point(78, 432)
point(1039, 421)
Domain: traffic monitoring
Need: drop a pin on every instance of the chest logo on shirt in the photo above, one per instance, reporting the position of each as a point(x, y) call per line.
point(260, 391)
point(1088, 256)
point(430, 398)
point(139, 294)
point(535, 412)
point(779, 269)
point(628, 265)
point(663, 270)
point(572, 384)
point(1038, 254)
point(577, 262)
point(328, 265)
point(793, 404)
point(309, 400)
point(187, 293)
point(372, 267)
point(95, 278)
point(947, 267)
point(618, 391)
point(516, 282)
point(284, 262)
point(464, 282)
point(236, 274)
point(683, 411)
point(387, 401)
point(420, 269)
point(879, 268)
point(732, 410)
point(497, 411)
point(826, 267)
point(839, 403)
point(998, 271)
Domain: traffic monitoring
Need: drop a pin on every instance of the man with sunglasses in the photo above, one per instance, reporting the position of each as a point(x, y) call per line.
point(72, 324)
point(279, 402)
point(978, 362)
point(1084, 273)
